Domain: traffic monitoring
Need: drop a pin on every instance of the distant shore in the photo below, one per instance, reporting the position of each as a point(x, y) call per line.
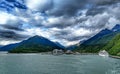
point(50, 53)
point(117, 57)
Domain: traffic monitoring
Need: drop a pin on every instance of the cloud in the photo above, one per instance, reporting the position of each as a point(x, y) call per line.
point(39, 5)
point(11, 27)
point(6, 34)
point(66, 7)
point(5, 17)
point(64, 21)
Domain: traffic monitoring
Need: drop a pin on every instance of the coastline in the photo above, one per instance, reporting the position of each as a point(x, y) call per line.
point(117, 57)
point(50, 53)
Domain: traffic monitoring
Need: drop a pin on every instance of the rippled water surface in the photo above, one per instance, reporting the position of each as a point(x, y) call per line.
point(63, 64)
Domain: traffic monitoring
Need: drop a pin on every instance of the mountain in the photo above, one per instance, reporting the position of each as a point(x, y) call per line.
point(33, 44)
point(0, 46)
point(39, 40)
point(113, 47)
point(97, 37)
point(9, 47)
point(116, 28)
point(60, 45)
point(103, 36)
point(72, 47)
point(100, 40)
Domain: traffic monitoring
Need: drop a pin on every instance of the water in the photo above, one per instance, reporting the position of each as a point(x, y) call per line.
point(64, 64)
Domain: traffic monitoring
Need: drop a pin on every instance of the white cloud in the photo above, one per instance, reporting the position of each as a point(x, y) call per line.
point(5, 17)
point(36, 5)
point(81, 32)
point(80, 25)
point(6, 42)
point(36, 31)
point(68, 43)
point(112, 22)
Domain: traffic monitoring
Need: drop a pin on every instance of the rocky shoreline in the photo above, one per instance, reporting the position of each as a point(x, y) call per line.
point(75, 53)
point(117, 57)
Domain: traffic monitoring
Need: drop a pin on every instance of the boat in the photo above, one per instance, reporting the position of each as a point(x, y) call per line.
point(57, 52)
point(69, 52)
point(103, 53)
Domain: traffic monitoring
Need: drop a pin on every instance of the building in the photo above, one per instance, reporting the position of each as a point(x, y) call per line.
point(69, 52)
point(57, 52)
point(103, 53)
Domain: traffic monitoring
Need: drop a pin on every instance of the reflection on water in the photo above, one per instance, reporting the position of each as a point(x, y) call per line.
point(63, 64)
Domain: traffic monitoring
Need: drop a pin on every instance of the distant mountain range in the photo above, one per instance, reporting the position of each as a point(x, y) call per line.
point(9, 47)
point(97, 38)
point(116, 28)
point(60, 45)
point(103, 36)
point(33, 44)
point(100, 40)
point(113, 47)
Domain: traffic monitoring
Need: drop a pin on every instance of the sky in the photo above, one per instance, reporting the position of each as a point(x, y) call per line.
point(65, 21)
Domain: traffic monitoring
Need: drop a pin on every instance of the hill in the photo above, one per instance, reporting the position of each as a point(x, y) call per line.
point(33, 44)
point(97, 38)
point(9, 47)
point(113, 47)
point(97, 42)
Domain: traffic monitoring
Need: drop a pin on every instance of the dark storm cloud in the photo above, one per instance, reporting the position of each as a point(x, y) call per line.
point(66, 20)
point(66, 7)
point(11, 35)
point(78, 38)
point(12, 27)
point(99, 6)
point(72, 38)
point(71, 7)
point(62, 33)
point(60, 26)
point(96, 10)
point(106, 2)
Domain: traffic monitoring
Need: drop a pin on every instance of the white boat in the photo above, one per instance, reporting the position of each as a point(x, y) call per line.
point(57, 52)
point(103, 53)
point(69, 52)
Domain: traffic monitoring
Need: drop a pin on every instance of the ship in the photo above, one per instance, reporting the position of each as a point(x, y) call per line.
point(57, 52)
point(103, 53)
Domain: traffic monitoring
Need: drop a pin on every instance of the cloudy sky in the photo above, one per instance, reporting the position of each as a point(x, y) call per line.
point(64, 21)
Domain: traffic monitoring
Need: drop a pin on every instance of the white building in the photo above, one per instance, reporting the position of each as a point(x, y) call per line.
point(57, 52)
point(103, 53)
point(69, 52)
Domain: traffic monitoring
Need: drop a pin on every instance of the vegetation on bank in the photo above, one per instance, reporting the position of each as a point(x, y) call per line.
point(35, 44)
point(113, 47)
point(34, 48)
point(109, 42)
point(89, 48)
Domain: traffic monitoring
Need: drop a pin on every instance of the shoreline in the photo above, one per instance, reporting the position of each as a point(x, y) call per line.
point(117, 57)
point(50, 53)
